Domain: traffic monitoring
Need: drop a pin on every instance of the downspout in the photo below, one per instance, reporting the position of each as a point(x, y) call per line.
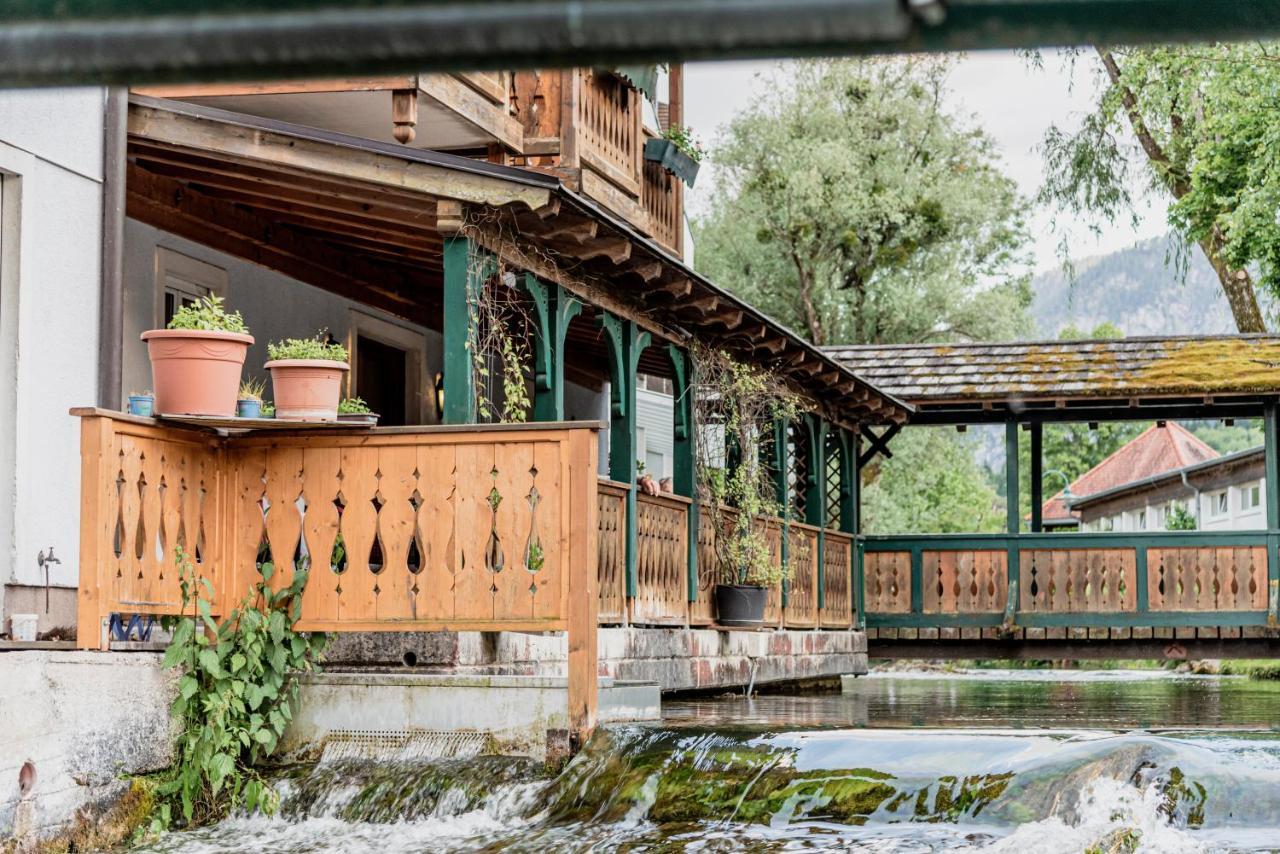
point(1196, 491)
point(111, 295)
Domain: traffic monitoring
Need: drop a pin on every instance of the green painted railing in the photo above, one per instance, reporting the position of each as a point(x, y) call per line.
point(1123, 580)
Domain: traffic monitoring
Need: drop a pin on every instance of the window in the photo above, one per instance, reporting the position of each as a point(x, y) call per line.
point(181, 280)
point(1109, 523)
point(1250, 497)
point(1219, 504)
point(1142, 520)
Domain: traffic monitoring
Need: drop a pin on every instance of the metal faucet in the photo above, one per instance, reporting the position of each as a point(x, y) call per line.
point(43, 560)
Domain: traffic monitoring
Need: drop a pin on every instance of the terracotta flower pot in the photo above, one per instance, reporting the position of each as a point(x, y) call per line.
point(306, 389)
point(196, 372)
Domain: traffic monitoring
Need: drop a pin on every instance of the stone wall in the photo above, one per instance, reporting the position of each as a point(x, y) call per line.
point(78, 722)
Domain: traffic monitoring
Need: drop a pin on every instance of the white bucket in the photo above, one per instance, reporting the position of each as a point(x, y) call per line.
point(22, 627)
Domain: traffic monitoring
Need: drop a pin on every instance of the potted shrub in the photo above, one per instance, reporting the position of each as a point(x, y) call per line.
point(355, 411)
point(676, 151)
point(306, 378)
point(249, 401)
point(196, 361)
point(740, 405)
point(142, 403)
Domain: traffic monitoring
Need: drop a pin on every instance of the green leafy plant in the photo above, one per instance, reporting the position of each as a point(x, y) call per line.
point(682, 137)
point(353, 406)
point(1179, 519)
point(498, 342)
point(268, 409)
point(252, 389)
point(208, 315)
point(236, 693)
point(307, 348)
point(739, 404)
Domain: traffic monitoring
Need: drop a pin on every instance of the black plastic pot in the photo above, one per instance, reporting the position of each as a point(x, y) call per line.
point(666, 154)
point(740, 604)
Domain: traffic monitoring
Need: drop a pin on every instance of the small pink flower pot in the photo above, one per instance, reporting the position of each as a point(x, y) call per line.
point(306, 389)
point(196, 372)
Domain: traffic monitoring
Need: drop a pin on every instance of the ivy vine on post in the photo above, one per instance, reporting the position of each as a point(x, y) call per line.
point(735, 407)
point(236, 694)
point(498, 338)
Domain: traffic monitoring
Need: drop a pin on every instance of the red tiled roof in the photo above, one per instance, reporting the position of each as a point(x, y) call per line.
point(1155, 451)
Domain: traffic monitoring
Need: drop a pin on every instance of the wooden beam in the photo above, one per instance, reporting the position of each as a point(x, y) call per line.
point(314, 157)
point(577, 230)
point(170, 206)
point(616, 250)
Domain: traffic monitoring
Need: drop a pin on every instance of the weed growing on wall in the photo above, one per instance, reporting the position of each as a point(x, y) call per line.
point(235, 696)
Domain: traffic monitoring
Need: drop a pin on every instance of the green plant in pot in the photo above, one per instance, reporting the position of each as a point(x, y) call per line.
point(735, 408)
point(249, 401)
point(196, 361)
point(355, 410)
point(306, 377)
point(676, 151)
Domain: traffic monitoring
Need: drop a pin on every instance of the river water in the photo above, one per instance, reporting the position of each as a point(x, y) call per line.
point(1021, 762)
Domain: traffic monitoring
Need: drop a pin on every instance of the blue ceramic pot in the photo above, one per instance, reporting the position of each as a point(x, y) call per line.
point(142, 404)
point(248, 409)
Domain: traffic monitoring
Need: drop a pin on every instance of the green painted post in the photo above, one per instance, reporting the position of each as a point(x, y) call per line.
point(1037, 476)
point(683, 463)
point(1013, 520)
point(553, 309)
point(815, 502)
point(625, 342)
point(461, 287)
point(845, 449)
point(859, 569)
point(1273, 513)
point(782, 488)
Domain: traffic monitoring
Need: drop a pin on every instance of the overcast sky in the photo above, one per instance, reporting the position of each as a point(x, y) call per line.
point(1013, 102)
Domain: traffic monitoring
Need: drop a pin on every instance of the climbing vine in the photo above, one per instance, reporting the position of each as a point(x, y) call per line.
point(236, 693)
point(498, 338)
point(734, 411)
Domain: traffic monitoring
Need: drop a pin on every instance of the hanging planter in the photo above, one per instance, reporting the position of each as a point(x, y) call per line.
point(677, 152)
point(196, 361)
point(306, 378)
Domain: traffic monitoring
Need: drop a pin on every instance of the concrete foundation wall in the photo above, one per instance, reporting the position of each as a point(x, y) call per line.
point(82, 720)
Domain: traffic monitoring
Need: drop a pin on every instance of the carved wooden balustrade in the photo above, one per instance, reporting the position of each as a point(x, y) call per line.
point(1196, 580)
point(477, 528)
point(801, 610)
point(837, 581)
point(662, 197)
point(608, 127)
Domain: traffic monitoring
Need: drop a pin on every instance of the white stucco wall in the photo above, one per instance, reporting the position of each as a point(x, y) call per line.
point(51, 162)
point(274, 306)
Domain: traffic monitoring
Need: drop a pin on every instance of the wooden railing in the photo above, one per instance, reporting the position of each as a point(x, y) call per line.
point(418, 529)
point(662, 560)
point(608, 128)
point(802, 590)
point(837, 580)
point(661, 195)
point(612, 547)
point(1161, 579)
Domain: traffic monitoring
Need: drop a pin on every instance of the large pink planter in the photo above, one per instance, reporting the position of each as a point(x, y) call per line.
point(196, 372)
point(306, 389)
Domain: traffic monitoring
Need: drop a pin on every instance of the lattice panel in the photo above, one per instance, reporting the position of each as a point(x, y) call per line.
point(662, 537)
point(833, 484)
point(798, 469)
point(611, 548)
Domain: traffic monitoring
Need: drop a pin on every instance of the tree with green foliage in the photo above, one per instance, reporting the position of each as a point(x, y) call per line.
point(854, 206)
point(1203, 117)
point(931, 485)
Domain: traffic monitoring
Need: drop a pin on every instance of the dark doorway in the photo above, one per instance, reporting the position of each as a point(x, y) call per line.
point(381, 379)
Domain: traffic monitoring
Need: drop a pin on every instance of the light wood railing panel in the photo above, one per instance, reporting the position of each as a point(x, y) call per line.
point(802, 591)
point(1206, 579)
point(1064, 580)
point(611, 564)
point(662, 196)
point(608, 129)
point(662, 544)
point(887, 577)
point(837, 580)
point(702, 610)
point(964, 582)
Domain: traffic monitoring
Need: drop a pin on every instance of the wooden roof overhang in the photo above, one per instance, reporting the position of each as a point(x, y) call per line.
point(368, 220)
point(1144, 378)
